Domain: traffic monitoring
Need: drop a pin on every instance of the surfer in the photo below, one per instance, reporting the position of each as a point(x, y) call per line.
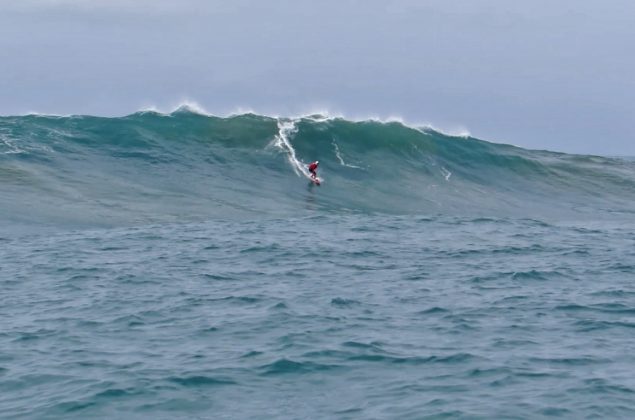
point(313, 168)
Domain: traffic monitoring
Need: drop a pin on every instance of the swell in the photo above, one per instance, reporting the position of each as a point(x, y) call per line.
point(149, 167)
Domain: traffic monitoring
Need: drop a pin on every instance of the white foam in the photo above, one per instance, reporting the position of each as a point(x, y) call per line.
point(446, 174)
point(339, 157)
point(453, 132)
point(45, 114)
point(242, 111)
point(323, 115)
point(152, 109)
point(285, 129)
point(11, 147)
point(185, 105)
point(192, 106)
point(316, 114)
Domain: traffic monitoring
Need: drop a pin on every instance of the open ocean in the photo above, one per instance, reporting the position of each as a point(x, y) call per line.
point(181, 265)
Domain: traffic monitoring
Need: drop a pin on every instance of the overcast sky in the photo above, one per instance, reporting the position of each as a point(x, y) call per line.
point(557, 75)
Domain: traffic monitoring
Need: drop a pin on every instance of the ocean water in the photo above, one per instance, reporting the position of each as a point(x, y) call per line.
point(181, 266)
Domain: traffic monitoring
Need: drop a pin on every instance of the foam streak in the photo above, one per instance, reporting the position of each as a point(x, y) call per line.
point(286, 129)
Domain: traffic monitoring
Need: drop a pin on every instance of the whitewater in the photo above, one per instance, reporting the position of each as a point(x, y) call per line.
point(181, 265)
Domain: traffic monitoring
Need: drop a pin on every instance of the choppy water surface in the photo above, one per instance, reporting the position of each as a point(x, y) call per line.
point(180, 266)
point(327, 316)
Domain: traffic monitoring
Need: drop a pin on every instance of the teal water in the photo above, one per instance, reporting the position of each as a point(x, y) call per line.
point(181, 266)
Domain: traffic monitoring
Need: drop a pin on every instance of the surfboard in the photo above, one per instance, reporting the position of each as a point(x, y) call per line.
point(316, 181)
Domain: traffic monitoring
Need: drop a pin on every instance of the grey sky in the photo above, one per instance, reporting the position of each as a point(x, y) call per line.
point(558, 75)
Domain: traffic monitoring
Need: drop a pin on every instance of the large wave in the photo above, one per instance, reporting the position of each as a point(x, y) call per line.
point(149, 167)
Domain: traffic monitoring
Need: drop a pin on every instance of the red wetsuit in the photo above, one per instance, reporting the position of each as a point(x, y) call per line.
point(312, 168)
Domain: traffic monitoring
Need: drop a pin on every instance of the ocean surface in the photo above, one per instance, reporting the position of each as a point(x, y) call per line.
point(182, 265)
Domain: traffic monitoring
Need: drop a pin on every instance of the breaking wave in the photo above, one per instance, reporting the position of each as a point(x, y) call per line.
point(149, 167)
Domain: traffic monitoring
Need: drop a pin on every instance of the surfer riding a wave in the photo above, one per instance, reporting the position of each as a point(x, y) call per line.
point(313, 168)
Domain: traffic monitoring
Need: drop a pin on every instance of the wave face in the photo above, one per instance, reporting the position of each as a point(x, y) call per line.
point(150, 167)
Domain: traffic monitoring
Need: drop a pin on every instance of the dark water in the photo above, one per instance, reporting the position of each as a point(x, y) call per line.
point(176, 266)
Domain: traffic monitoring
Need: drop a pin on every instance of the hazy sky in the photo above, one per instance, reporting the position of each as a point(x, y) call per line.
point(553, 74)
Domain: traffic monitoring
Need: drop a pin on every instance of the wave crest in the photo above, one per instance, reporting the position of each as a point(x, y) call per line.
point(189, 164)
